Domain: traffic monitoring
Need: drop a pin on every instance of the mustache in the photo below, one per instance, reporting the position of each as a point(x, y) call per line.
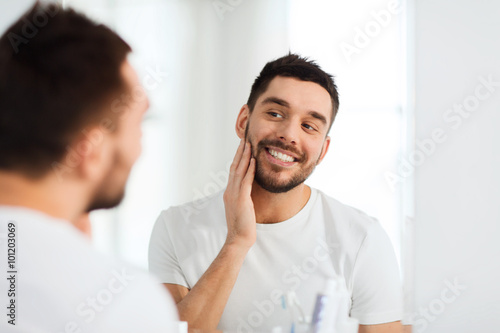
point(279, 144)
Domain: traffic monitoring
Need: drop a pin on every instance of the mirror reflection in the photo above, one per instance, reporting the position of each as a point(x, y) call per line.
point(270, 192)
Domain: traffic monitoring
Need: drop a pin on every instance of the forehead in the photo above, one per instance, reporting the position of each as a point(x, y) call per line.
point(134, 102)
point(135, 88)
point(301, 95)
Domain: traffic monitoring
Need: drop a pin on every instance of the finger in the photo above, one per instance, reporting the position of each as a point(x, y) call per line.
point(236, 161)
point(243, 166)
point(246, 184)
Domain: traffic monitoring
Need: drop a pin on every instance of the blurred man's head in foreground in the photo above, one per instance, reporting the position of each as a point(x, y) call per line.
point(69, 107)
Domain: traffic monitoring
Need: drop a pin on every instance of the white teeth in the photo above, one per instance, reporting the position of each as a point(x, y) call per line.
point(281, 156)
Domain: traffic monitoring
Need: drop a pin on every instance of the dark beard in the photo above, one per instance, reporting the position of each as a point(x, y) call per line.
point(267, 181)
point(110, 193)
point(105, 203)
point(271, 185)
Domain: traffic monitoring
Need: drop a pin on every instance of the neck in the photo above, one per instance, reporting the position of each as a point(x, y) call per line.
point(278, 207)
point(45, 195)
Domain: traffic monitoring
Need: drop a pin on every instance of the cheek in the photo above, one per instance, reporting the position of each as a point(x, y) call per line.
point(315, 150)
point(258, 131)
point(131, 146)
point(135, 143)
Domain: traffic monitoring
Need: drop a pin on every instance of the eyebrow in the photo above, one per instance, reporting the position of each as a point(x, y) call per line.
point(275, 100)
point(318, 116)
point(282, 102)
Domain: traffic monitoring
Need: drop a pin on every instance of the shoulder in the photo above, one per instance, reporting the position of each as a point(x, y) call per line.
point(119, 288)
point(349, 228)
point(142, 283)
point(345, 217)
point(65, 275)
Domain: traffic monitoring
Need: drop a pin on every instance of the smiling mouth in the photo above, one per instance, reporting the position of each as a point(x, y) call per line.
point(280, 156)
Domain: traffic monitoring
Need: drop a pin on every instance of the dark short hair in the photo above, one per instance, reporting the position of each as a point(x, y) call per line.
point(59, 72)
point(293, 65)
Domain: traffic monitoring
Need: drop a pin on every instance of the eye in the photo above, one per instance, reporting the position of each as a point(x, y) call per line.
point(274, 114)
point(308, 127)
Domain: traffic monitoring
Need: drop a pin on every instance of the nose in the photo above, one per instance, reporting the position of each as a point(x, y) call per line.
point(288, 133)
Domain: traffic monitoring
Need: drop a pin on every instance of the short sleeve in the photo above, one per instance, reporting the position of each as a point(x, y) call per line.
point(163, 260)
point(377, 288)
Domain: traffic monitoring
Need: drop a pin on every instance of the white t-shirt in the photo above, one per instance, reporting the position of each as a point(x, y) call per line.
point(325, 238)
point(59, 283)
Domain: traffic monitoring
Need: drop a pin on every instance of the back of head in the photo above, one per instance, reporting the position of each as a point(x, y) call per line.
point(59, 72)
point(295, 66)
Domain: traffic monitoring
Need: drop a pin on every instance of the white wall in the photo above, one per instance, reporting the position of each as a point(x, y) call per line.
point(11, 10)
point(457, 187)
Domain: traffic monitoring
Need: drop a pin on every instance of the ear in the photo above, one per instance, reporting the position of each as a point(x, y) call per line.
point(242, 121)
point(94, 152)
point(324, 150)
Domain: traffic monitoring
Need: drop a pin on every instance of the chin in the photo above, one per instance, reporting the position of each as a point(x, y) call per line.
point(106, 203)
point(274, 186)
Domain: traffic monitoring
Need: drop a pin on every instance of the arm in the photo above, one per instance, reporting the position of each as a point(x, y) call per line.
point(203, 305)
point(394, 327)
